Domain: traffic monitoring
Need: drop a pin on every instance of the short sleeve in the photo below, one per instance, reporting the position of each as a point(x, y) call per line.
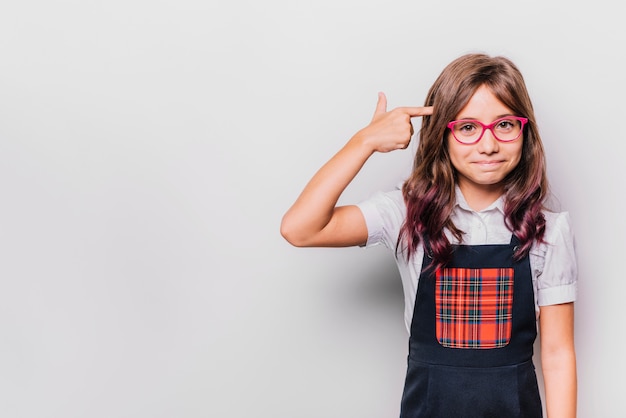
point(558, 273)
point(384, 213)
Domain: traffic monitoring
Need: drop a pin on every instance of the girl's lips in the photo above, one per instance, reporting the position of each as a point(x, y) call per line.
point(489, 164)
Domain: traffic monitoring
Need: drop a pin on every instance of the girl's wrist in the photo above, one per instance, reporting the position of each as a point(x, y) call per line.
point(362, 143)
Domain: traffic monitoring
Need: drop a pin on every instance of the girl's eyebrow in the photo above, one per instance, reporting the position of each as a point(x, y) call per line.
point(497, 117)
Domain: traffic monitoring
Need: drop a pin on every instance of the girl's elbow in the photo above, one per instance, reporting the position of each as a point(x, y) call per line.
point(291, 233)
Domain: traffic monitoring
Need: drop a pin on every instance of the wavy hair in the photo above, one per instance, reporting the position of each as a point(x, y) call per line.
point(429, 192)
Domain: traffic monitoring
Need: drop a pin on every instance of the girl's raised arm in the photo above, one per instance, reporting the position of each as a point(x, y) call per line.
point(314, 220)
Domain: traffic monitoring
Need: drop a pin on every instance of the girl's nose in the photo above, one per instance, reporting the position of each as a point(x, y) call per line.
point(488, 144)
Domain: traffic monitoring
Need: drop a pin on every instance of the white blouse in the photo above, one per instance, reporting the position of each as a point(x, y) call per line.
point(553, 263)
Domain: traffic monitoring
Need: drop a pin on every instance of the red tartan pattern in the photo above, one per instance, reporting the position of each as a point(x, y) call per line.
point(474, 307)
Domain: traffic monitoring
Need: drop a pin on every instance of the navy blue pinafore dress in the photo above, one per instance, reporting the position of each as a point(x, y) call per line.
point(472, 336)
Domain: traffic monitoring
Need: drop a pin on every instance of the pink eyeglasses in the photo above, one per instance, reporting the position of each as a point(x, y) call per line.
point(470, 131)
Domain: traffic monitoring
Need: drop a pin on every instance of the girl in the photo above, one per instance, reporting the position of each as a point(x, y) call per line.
point(482, 260)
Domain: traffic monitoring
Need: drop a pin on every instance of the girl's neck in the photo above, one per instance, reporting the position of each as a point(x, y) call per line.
point(478, 197)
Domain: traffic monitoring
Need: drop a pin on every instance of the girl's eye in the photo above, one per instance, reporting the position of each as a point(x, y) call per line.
point(467, 128)
point(506, 124)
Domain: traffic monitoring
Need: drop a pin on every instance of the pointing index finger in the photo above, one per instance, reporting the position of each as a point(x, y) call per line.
point(414, 111)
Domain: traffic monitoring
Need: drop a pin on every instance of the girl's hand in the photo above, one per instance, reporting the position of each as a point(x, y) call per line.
point(391, 130)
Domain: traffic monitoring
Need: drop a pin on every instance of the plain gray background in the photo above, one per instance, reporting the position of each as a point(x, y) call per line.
point(148, 150)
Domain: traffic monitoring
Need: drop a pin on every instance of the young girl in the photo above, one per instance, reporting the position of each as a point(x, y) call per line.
point(482, 260)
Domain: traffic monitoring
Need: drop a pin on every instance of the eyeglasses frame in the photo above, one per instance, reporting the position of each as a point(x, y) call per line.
point(490, 127)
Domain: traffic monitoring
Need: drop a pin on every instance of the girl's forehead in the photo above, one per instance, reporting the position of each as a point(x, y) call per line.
point(483, 105)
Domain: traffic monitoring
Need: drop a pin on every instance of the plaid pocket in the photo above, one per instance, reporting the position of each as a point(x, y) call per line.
point(474, 307)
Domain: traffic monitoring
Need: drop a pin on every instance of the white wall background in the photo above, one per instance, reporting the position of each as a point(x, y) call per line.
point(148, 150)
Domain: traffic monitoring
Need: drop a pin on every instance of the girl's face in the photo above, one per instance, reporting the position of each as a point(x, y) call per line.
point(482, 167)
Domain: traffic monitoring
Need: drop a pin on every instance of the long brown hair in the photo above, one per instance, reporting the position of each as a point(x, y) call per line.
point(429, 192)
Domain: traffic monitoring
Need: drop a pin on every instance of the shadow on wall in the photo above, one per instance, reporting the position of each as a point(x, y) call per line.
point(367, 289)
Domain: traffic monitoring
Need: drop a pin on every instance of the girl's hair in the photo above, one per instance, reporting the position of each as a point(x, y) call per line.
point(429, 192)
